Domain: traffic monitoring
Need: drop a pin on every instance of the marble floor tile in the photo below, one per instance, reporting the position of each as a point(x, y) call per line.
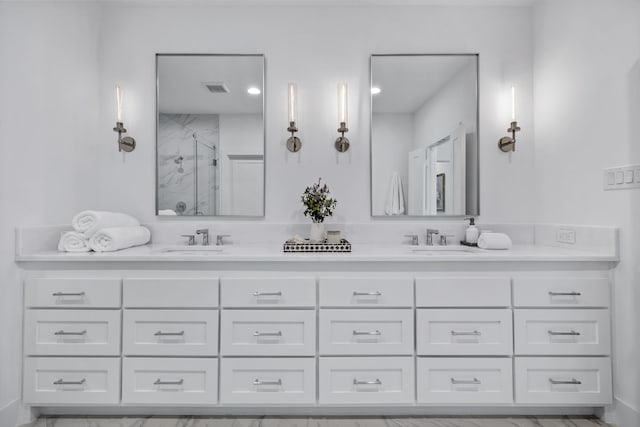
point(153, 421)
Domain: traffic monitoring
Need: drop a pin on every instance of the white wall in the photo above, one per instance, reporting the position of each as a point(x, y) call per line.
point(393, 139)
point(315, 47)
point(587, 110)
point(48, 134)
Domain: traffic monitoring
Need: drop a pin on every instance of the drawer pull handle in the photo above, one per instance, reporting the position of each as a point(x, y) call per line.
point(267, 334)
point(565, 294)
point(68, 294)
point(63, 382)
point(160, 382)
point(466, 333)
point(569, 333)
point(267, 294)
point(374, 382)
point(376, 332)
point(169, 334)
point(61, 332)
point(572, 381)
point(367, 294)
point(473, 381)
point(257, 382)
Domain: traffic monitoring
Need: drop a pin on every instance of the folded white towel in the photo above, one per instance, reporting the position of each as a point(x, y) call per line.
point(116, 238)
point(167, 212)
point(72, 241)
point(88, 222)
point(494, 241)
point(395, 196)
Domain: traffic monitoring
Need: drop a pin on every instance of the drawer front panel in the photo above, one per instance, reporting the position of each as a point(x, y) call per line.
point(72, 332)
point(268, 381)
point(464, 380)
point(268, 333)
point(170, 293)
point(366, 380)
point(562, 332)
point(464, 332)
point(87, 292)
point(366, 292)
point(269, 292)
point(559, 380)
point(366, 332)
point(463, 292)
point(71, 381)
point(560, 292)
point(184, 381)
point(170, 333)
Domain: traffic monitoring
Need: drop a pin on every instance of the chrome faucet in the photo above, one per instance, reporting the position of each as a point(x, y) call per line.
point(205, 236)
point(430, 233)
point(414, 239)
point(220, 239)
point(192, 239)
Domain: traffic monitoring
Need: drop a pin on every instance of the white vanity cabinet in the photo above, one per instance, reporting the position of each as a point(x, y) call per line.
point(411, 336)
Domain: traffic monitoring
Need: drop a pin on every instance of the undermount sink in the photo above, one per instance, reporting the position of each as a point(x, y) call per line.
point(191, 250)
point(443, 250)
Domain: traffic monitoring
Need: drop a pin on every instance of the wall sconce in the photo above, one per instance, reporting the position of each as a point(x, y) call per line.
point(508, 143)
point(293, 143)
point(126, 143)
point(342, 143)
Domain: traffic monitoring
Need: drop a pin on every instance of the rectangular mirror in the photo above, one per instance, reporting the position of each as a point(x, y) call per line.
point(210, 135)
point(424, 135)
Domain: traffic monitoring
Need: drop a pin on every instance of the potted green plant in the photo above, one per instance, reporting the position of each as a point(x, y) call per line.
point(318, 205)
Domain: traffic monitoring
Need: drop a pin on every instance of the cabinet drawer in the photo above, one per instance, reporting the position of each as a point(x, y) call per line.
point(268, 381)
point(366, 332)
point(464, 380)
point(560, 292)
point(269, 292)
point(366, 292)
point(72, 292)
point(71, 381)
point(563, 380)
point(463, 292)
point(170, 333)
point(170, 293)
point(366, 380)
point(184, 381)
point(268, 332)
point(72, 332)
point(558, 332)
point(464, 332)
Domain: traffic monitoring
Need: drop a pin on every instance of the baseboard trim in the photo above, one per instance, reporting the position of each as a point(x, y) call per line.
point(621, 414)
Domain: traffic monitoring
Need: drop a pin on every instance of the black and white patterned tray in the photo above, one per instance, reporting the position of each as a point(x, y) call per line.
point(307, 246)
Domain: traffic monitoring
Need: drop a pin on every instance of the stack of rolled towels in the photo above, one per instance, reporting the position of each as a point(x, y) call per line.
point(102, 231)
point(494, 241)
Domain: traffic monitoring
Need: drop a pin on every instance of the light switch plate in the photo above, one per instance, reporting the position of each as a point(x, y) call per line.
point(565, 235)
point(621, 178)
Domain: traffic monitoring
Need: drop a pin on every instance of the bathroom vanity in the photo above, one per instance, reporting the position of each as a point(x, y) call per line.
point(380, 330)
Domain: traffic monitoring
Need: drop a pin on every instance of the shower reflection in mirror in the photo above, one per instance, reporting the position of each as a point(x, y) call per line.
point(210, 135)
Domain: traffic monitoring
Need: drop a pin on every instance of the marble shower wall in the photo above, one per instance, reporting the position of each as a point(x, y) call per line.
point(177, 135)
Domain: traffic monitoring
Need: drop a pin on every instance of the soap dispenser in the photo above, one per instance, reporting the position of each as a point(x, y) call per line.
point(472, 232)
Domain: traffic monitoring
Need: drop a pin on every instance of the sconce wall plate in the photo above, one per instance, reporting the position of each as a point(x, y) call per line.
point(293, 143)
point(125, 143)
point(342, 142)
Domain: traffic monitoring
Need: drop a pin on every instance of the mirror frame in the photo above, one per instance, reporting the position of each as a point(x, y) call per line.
point(264, 135)
point(476, 211)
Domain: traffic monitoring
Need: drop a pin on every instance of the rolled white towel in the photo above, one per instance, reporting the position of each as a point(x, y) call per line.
point(116, 238)
point(72, 241)
point(494, 241)
point(167, 212)
point(88, 222)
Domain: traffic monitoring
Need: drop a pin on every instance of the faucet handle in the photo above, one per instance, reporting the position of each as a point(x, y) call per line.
point(414, 238)
point(191, 237)
point(220, 239)
point(443, 239)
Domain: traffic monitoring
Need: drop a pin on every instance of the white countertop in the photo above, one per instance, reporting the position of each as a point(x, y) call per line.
point(360, 253)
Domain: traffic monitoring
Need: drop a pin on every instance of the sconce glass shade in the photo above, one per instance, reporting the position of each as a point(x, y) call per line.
point(513, 103)
point(118, 104)
point(293, 102)
point(342, 103)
